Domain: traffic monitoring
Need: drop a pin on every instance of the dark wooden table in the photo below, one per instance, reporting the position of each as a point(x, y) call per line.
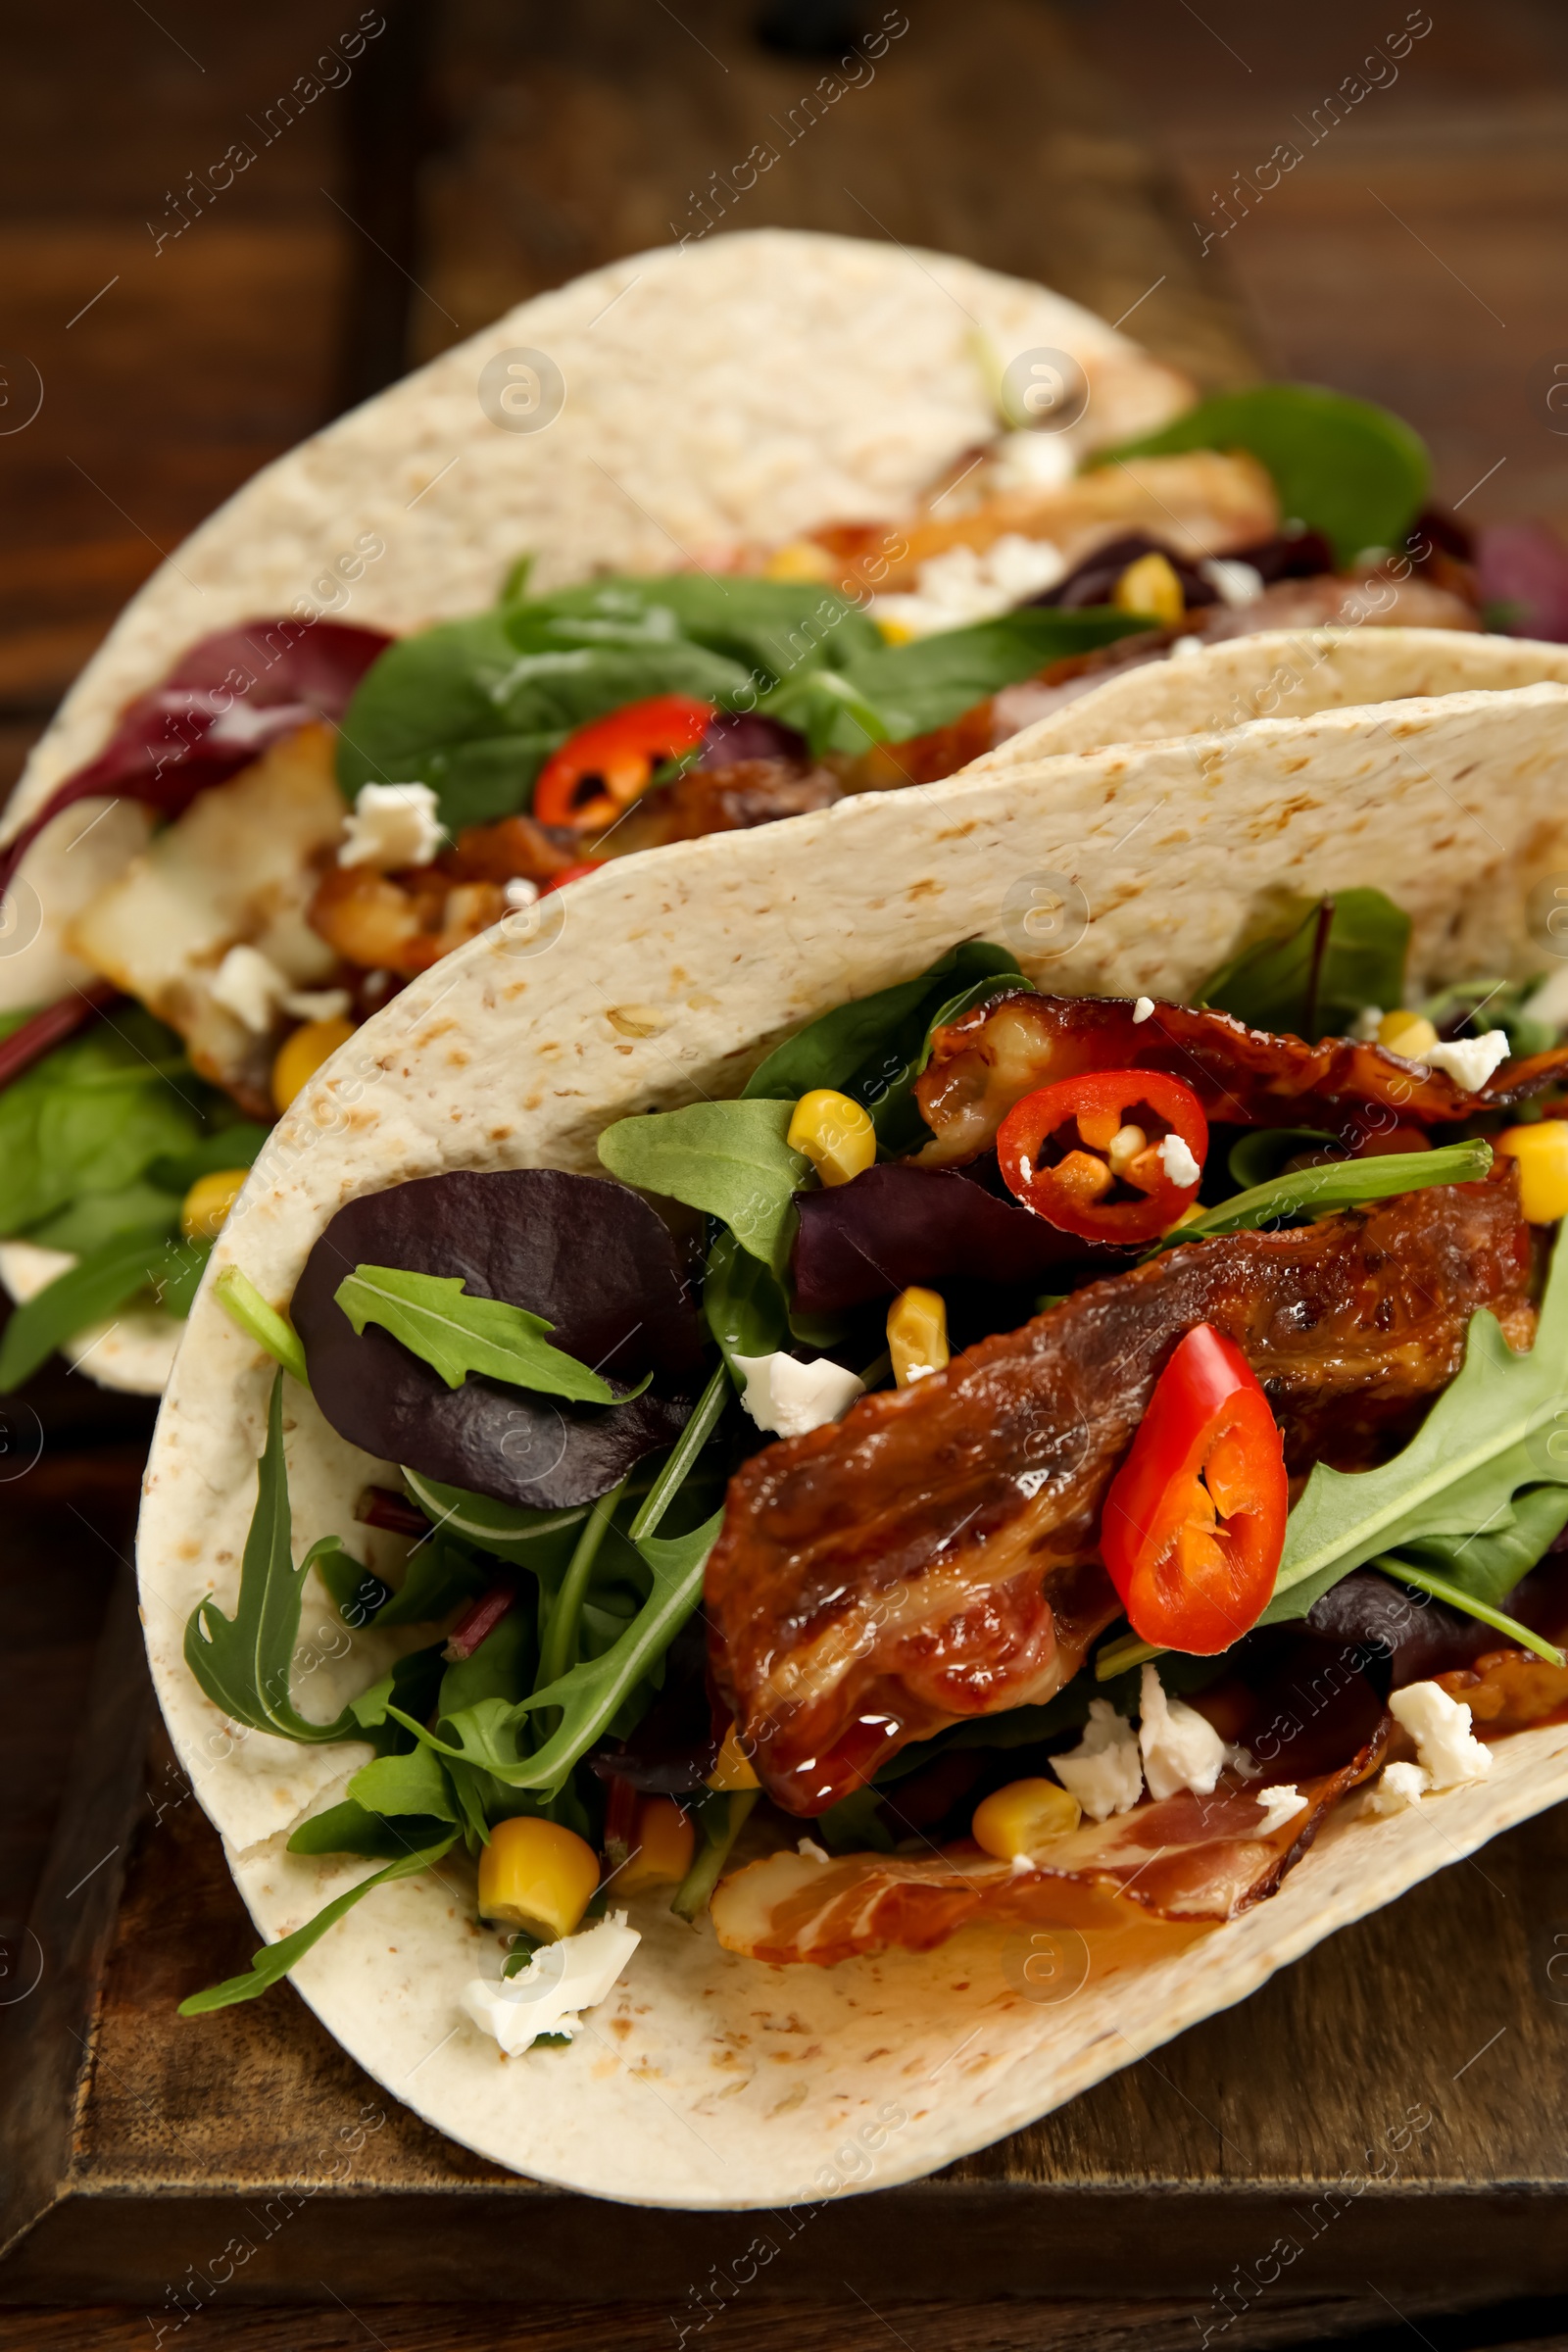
point(478, 152)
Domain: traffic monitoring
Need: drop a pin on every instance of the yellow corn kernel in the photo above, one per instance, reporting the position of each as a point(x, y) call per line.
point(835, 1134)
point(1406, 1033)
point(1151, 586)
point(734, 1767)
point(537, 1876)
point(799, 559)
point(1098, 1128)
point(1124, 1148)
point(662, 1853)
point(917, 1335)
point(1542, 1151)
point(1024, 1818)
point(301, 1055)
point(895, 632)
point(208, 1202)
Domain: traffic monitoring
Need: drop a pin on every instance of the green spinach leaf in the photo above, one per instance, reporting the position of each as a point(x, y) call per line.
point(95, 1288)
point(743, 1302)
point(729, 1158)
point(415, 1781)
point(456, 1335)
point(1343, 467)
point(94, 1116)
point(1338, 956)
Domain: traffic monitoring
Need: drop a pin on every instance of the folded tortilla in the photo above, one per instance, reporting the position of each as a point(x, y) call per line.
point(706, 2079)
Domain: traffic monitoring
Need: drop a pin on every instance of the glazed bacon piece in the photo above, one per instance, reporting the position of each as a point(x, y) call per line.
point(1188, 1860)
point(934, 1556)
point(981, 1065)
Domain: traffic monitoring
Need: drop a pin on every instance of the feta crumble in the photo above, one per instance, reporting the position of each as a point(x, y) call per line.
point(560, 1982)
point(787, 1398)
point(520, 892)
point(1398, 1786)
point(964, 584)
point(1469, 1061)
point(1440, 1726)
point(811, 1851)
point(1366, 1024)
point(1144, 1009)
point(250, 985)
point(1181, 1748)
point(1185, 647)
point(1032, 461)
point(1234, 582)
point(1177, 1161)
point(1280, 1804)
point(393, 825)
point(1103, 1772)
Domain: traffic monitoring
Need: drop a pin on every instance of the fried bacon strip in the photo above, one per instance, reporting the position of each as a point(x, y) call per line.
point(1186, 1860)
point(981, 1065)
point(934, 1554)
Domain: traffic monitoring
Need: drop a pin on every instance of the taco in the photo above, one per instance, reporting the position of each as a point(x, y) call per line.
point(952, 1451)
point(715, 537)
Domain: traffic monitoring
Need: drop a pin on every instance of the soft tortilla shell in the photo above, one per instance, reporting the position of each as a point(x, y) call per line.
point(709, 2080)
point(743, 389)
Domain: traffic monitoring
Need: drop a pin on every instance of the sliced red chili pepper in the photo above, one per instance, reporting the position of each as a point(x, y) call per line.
point(570, 873)
point(603, 769)
point(1087, 1154)
point(1194, 1523)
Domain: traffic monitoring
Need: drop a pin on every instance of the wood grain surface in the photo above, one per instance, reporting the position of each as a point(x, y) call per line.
point(1413, 255)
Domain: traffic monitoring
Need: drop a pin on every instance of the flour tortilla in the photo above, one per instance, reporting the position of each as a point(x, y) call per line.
point(739, 391)
point(706, 2079)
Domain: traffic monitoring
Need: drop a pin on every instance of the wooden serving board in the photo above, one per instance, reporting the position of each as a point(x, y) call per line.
point(1391, 2115)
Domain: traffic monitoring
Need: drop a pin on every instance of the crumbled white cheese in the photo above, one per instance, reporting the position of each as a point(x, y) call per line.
point(1032, 461)
point(1235, 582)
point(317, 1004)
point(1181, 1748)
point(1366, 1024)
point(1185, 647)
point(250, 985)
point(1280, 1804)
point(1469, 1060)
point(787, 1398)
point(558, 1982)
point(393, 825)
point(964, 584)
point(1440, 1726)
point(812, 1851)
point(520, 892)
point(1177, 1161)
point(1103, 1772)
point(1144, 1009)
point(1398, 1786)
point(1020, 1866)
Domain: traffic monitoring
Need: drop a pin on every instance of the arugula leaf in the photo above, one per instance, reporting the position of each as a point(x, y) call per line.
point(1442, 1588)
point(96, 1287)
point(1489, 1565)
point(888, 693)
point(491, 1731)
point(1478, 1446)
point(1313, 1192)
point(723, 1815)
point(1259, 1154)
point(854, 1825)
point(245, 1306)
point(412, 1686)
point(539, 1540)
point(1343, 467)
point(874, 1047)
point(775, 628)
point(456, 1335)
point(348, 1828)
point(273, 1962)
point(441, 1573)
point(1339, 955)
point(729, 1158)
point(243, 1662)
point(357, 1591)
